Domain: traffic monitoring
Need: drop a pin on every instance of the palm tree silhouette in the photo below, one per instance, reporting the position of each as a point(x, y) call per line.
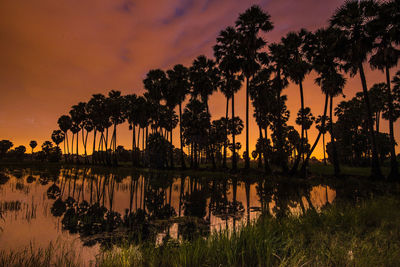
point(226, 54)
point(352, 20)
point(322, 49)
point(386, 57)
point(65, 124)
point(278, 62)
point(95, 112)
point(204, 79)
point(57, 136)
point(178, 83)
point(33, 144)
point(131, 111)
point(115, 105)
point(249, 24)
point(263, 99)
point(78, 115)
point(297, 68)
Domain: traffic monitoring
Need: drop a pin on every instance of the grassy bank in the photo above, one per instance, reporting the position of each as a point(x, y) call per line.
point(316, 169)
point(367, 234)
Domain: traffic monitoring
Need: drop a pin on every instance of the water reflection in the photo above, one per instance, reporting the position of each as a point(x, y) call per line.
point(103, 208)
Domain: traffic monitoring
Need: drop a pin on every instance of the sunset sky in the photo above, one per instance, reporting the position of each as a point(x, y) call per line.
point(57, 53)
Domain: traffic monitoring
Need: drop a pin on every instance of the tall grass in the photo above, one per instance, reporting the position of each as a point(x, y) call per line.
point(366, 234)
point(54, 255)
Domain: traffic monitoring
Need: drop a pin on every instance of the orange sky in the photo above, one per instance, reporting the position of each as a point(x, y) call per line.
point(57, 53)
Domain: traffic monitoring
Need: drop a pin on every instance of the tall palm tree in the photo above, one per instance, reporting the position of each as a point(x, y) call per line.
point(322, 49)
point(96, 109)
point(178, 83)
point(278, 63)
point(155, 81)
point(115, 105)
point(78, 115)
point(263, 98)
point(131, 114)
point(352, 19)
point(226, 52)
point(297, 68)
point(249, 24)
point(65, 124)
point(385, 57)
point(204, 78)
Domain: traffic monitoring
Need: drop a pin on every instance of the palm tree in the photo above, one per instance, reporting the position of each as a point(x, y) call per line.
point(88, 126)
point(278, 63)
point(322, 49)
point(204, 79)
point(95, 112)
point(249, 24)
point(65, 124)
point(131, 113)
point(78, 115)
point(352, 20)
point(115, 105)
point(386, 57)
point(323, 130)
point(155, 81)
point(33, 144)
point(178, 83)
point(57, 136)
point(263, 98)
point(297, 68)
point(195, 125)
point(226, 54)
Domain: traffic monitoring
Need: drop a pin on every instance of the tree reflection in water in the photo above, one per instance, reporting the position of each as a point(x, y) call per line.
point(110, 207)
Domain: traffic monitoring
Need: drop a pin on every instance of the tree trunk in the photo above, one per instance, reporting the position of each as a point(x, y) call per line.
point(94, 146)
point(226, 134)
point(394, 172)
point(260, 154)
point(324, 149)
point(375, 165)
point(282, 159)
point(335, 155)
point(247, 159)
point(183, 165)
point(266, 163)
point(301, 152)
point(133, 144)
point(172, 151)
point(305, 163)
point(234, 164)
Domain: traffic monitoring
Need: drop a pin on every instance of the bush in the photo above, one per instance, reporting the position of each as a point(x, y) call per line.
point(157, 151)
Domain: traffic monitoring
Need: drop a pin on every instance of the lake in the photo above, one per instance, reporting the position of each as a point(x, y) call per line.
point(96, 208)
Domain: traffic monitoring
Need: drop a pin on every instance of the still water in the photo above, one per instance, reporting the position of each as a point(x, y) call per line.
point(93, 209)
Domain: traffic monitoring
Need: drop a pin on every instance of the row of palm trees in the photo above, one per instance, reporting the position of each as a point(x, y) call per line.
point(358, 31)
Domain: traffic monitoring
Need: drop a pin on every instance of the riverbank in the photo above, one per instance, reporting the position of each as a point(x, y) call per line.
point(363, 234)
point(315, 169)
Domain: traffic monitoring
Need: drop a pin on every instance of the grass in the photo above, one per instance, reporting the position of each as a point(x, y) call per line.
point(363, 234)
point(367, 234)
point(54, 255)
